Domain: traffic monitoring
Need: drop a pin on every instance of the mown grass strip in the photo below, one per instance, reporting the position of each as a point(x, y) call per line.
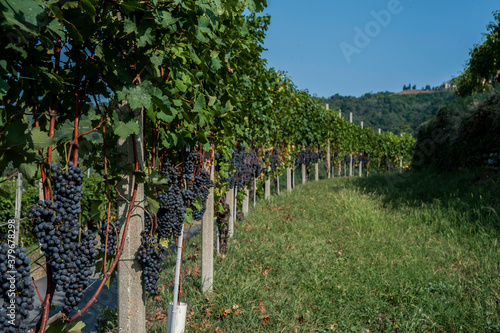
point(413, 253)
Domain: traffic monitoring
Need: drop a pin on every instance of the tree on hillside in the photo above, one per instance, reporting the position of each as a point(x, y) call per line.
point(482, 70)
point(414, 87)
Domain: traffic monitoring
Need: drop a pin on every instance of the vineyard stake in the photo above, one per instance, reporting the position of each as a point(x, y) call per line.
point(131, 305)
point(207, 241)
point(230, 203)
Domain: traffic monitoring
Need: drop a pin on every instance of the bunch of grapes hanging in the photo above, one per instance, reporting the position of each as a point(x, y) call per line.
point(188, 186)
point(69, 250)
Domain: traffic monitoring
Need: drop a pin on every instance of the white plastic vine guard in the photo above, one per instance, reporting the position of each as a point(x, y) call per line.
point(180, 318)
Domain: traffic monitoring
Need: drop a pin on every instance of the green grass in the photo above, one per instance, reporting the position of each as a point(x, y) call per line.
point(389, 253)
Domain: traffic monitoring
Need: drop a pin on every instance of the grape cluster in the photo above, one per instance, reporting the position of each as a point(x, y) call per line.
point(363, 159)
point(252, 167)
point(150, 256)
point(308, 156)
point(69, 253)
point(180, 195)
point(113, 234)
point(169, 172)
point(16, 288)
point(201, 188)
point(275, 162)
point(170, 216)
point(237, 161)
point(189, 166)
point(347, 159)
point(78, 278)
point(148, 223)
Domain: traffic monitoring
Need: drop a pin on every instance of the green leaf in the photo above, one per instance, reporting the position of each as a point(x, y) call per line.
point(138, 96)
point(56, 327)
point(166, 19)
point(193, 55)
point(76, 327)
point(126, 127)
point(198, 205)
point(211, 100)
point(88, 8)
point(23, 14)
point(28, 170)
point(199, 104)
point(154, 205)
point(179, 84)
point(38, 140)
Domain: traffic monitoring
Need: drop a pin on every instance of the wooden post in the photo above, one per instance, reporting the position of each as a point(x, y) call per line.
point(207, 241)
point(230, 203)
point(340, 168)
point(316, 171)
point(17, 209)
point(267, 189)
point(131, 298)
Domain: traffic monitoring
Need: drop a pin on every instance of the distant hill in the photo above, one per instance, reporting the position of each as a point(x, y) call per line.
point(400, 112)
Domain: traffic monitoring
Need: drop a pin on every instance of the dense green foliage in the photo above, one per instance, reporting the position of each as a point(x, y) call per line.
point(416, 252)
point(391, 112)
point(462, 135)
point(78, 77)
point(482, 70)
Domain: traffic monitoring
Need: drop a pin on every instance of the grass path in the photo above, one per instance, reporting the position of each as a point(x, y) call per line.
point(380, 254)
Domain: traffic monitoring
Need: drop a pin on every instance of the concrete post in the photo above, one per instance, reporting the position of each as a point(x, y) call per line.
point(401, 165)
point(360, 162)
point(277, 185)
point(350, 162)
point(316, 171)
point(131, 298)
point(289, 179)
point(267, 189)
point(207, 241)
point(246, 201)
point(304, 180)
point(230, 203)
point(17, 207)
point(328, 161)
point(254, 191)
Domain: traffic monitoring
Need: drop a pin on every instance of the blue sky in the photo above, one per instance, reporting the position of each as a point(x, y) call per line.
point(421, 42)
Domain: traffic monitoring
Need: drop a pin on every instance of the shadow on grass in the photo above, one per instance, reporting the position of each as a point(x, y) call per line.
point(476, 192)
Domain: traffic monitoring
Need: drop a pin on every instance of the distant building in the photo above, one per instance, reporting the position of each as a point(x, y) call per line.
point(449, 86)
